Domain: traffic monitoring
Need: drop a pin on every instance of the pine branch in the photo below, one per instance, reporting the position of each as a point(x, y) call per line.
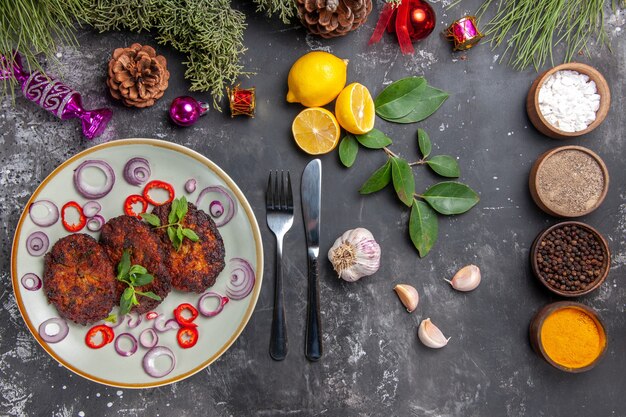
point(286, 9)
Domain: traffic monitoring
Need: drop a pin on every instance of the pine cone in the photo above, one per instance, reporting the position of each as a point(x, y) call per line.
point(137, 75)
point(331, 18)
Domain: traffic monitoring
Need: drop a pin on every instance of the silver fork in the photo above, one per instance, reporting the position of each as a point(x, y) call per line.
point(279, 208)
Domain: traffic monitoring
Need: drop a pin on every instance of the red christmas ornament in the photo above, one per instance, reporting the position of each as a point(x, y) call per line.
point(411, 20)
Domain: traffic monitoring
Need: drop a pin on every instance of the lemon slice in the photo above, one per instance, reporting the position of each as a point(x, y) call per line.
point(355, 109)
point(316, 131)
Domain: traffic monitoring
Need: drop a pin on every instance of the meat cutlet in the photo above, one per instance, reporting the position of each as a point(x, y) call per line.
point(196, 265)
point(79, 279)
point(128, 232)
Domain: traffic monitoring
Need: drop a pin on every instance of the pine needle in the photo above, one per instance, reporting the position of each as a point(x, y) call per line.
point(286, 9)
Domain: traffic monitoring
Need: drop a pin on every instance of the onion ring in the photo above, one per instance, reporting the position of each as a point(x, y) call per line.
point(190, 185)
point(50, 218)
point(161, 324)
point(242, 279)
point(95, 223)
point(128, 352)
point(30, 277)
point(149, 361)
point(216, 209)
point(91, 208)
point(134, 319)
point(64, 329)
point(231, 207)
point(137, 171)
point(148, 338)
point(89, 191)
point(37, 243)
point(211, 313)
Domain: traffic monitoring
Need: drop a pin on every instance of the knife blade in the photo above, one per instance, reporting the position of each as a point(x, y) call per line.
point(311, 197)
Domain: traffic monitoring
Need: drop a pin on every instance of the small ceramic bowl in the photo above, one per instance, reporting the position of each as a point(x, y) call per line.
point(543, 202)
point(605, 265)
point(542, 125)
point(537, 323)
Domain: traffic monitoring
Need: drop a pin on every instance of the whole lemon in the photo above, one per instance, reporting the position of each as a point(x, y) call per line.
point(316, 78)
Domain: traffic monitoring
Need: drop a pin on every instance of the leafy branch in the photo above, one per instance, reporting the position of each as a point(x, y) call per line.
point(133, 276)
point(175, 230)
point(412, 99)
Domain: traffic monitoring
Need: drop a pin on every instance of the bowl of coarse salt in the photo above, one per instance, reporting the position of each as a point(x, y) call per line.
point(568, 100)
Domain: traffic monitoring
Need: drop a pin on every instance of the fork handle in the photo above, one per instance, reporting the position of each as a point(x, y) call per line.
point(313, 349)
point(278, 338)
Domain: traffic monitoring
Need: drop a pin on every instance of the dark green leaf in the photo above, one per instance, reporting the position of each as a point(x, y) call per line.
point(171, 233)
point(191, 235)
point(423, 227)
point(181, 209)
point(374, 139)
point(379, 179)
point(124, 266)
point(143, 279)
point(451, 197)
point(179, 233)
point(424, 143)
point(348, 149)
point(137, 270)
point(403, 180)
point(444, 165)
point(149, 294)
point(128, 293)
point(398, 99)
point(151, 219)
point(430, 99)
point(173, 216)
point(125, 304)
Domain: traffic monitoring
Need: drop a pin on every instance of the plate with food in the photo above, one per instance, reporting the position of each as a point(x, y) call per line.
point(137, 263)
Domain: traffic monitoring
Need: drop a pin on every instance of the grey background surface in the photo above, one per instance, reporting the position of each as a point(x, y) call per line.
point(373, 363)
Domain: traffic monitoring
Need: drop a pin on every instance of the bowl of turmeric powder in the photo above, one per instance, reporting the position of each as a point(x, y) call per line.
point(570, 336)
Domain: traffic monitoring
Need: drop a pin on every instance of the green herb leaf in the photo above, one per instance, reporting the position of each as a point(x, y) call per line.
point(111, 318)
point(182, 208)
point(374, 139)
point(348, 149)
point(425, 101)
point(179, 233)
point(137, 269)
point(133, 299)
point(124, 265)
point(151, 219)
point(398, 99)
point(191, 235)
point(149, 294)
point(173, 216)
point(143, 279)
point(424, 143)
point(403, 180)
point(423, 227)
point(171, 233)
point(444, 165)
point(451, 197)
point(379, 179)
point(125, 301)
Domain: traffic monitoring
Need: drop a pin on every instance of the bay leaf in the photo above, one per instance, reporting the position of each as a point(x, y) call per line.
point(451, 197)
point(444, 165)
point(423, 141)
point(429, 99)
point(398, 99)
point(348, 149)
point(378, 180)
point(374, 139)
point(423, 227)
point(403, 181)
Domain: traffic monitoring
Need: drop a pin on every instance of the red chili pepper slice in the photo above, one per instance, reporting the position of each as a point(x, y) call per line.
point(106, 333)
point(151, 315)
point(187, 337)
point(82, 220)
point(186, 321)
point(156, 184)
point(132, 200)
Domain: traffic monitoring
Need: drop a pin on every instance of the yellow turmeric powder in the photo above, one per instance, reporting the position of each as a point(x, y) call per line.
point(571, 338)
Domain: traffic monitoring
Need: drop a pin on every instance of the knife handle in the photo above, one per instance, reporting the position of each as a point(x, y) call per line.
point(313, 349)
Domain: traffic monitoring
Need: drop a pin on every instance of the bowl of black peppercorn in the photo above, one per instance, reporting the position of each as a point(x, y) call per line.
point(570, 258)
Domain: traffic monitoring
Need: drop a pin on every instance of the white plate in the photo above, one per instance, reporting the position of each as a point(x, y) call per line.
point(174, 164)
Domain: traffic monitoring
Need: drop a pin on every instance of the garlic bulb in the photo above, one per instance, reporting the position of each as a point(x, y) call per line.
point(355, 255)
point(466, 279)
point(408, 296)
point(430, 335)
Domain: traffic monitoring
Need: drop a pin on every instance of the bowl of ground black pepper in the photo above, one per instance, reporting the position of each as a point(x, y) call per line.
point(569, 181)
point(570, 258)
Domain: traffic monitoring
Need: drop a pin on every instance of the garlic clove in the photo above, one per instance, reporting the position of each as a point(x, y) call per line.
point(408, 296)
point(466, 279)
point(430, 335)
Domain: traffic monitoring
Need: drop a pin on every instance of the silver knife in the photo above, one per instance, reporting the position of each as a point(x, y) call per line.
point(311, 197)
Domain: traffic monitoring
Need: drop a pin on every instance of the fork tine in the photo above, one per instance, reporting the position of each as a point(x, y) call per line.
point(282, 194)
point(289, 193)
point(276, 191)
point(269, 197)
